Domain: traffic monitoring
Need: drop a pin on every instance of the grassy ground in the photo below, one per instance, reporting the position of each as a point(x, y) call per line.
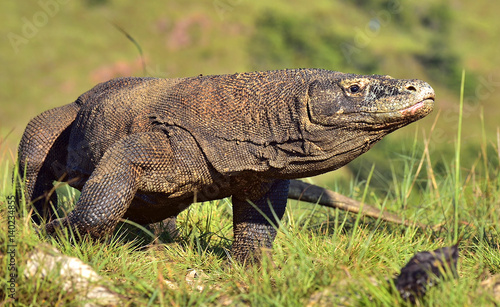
point(321, 256)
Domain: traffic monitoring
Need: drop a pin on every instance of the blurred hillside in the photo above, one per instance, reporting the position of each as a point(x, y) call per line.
point(53, 51)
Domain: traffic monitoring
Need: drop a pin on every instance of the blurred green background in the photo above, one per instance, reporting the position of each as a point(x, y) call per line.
point(52, 51)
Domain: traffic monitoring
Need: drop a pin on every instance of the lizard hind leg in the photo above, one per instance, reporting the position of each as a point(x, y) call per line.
point(128, 166)
point(168, 226)
point(255, 222)
point(106, 195)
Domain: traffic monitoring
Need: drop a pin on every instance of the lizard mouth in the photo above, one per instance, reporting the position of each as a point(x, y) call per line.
point(411, 110)
point(406, 115)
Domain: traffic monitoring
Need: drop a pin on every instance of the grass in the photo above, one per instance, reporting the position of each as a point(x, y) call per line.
point(320, 257)
point(457, 158)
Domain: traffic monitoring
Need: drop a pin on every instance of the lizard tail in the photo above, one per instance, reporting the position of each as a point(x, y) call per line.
point(42, 155)
point(303, 191)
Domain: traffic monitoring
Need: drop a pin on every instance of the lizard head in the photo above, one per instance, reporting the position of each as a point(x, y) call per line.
point(347, 114)
point(368, 102)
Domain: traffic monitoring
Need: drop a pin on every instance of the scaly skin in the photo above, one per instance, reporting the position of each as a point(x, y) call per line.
point(145, 148)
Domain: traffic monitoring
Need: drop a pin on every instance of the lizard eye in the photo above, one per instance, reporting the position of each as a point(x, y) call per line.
point(354, 88)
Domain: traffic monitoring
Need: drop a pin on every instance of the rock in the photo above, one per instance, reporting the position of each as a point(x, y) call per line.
point(492, 284)
point(75, 274)
point(424, 270)
point(195, 279)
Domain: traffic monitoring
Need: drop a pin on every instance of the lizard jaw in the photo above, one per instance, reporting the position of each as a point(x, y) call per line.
point(411, 110)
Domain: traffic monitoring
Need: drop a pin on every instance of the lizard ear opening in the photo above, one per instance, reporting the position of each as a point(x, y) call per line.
point(326, 101)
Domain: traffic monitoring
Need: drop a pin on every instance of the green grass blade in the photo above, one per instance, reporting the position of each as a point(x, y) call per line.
point(457, 161)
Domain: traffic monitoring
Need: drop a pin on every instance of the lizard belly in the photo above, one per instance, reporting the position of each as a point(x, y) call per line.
point(151, 207)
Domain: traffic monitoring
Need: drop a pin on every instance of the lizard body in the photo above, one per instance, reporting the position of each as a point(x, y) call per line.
point(146, 148)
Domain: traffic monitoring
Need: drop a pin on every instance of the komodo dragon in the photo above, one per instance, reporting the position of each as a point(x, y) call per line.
point(146, 148)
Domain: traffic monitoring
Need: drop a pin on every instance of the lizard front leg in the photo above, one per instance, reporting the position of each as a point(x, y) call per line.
point(255, 222)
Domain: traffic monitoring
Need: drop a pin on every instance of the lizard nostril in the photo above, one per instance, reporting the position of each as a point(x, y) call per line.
point(411, 88)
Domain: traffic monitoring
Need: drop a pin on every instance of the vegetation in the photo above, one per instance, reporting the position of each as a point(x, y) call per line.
point(321, 256)
point(425, 172)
